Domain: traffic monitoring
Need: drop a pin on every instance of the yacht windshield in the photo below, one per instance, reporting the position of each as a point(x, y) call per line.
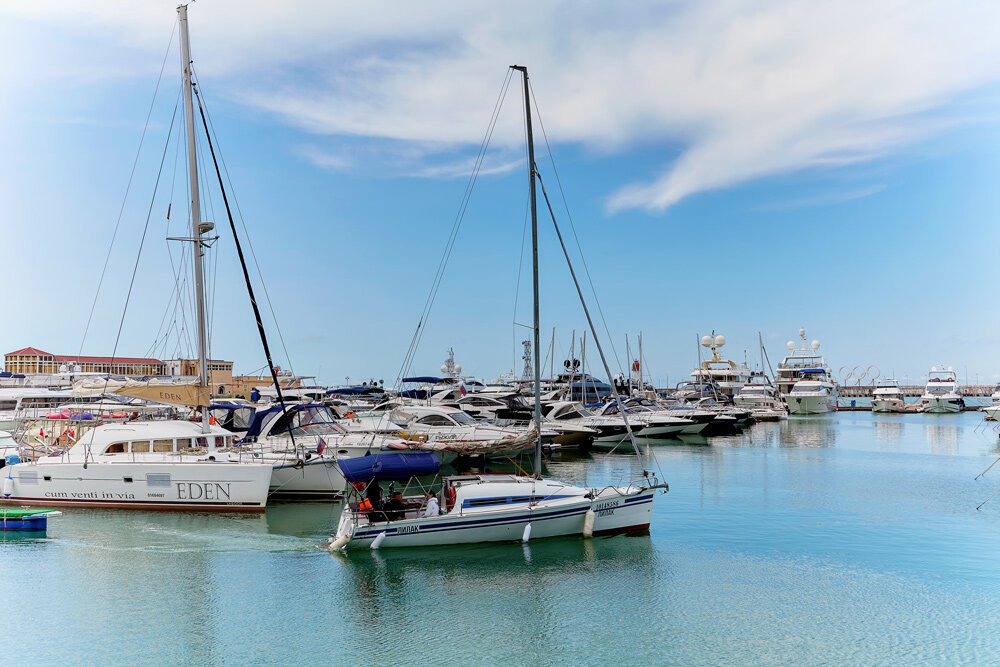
point(938, 389)
point(804, 389)
point(462, 418)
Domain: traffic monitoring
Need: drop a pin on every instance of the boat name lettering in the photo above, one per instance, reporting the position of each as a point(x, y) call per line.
point(406, 529)
point(90, 494)
point(202, 490)
point(606, 505)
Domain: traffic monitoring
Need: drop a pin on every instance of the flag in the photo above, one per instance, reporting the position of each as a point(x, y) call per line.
point(461, 388)
point(321, 446)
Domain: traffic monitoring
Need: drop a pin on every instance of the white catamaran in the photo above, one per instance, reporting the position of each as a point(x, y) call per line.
point(175, 465)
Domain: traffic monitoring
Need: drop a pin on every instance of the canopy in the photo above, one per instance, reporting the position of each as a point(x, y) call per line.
point(393, 466)
point(356, 390)
point(423, 378)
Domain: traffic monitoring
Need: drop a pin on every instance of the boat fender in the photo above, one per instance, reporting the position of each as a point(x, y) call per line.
point(377, 542)
point(527, 533)
point(588, 523)
point(340, 542)
point(8, 485)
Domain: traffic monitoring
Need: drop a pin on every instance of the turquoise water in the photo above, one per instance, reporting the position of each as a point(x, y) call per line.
point(848, 539)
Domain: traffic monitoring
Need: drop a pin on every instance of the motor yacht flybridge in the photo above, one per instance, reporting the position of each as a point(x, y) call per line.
point(718, 371)
point(174, 465)
point(941, 393)
point(493, 508)
point(805, 381)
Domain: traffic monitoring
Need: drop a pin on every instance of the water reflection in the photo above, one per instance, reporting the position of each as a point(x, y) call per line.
point(795, 432)
point(943, 438)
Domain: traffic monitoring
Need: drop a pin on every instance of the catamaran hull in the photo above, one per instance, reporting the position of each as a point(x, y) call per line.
point(618, 514)
point(201, 487)
point(314, 480)
point(810, 405)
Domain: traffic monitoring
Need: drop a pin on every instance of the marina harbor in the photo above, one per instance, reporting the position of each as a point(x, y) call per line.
point(436, 333)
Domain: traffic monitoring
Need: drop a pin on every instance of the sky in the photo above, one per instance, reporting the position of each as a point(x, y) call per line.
point(733, 166)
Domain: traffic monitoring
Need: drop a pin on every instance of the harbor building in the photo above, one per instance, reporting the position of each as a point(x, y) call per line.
point(220, 373)
point(31, 360)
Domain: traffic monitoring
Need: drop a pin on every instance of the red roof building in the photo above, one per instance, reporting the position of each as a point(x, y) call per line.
point(33, 360)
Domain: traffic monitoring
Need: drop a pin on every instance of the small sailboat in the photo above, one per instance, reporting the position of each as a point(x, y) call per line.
point(490, 507)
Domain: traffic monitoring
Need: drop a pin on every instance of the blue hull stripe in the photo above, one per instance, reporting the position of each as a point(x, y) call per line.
point(493, 521)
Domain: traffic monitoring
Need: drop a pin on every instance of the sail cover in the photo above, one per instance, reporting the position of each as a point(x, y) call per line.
point(393, 466)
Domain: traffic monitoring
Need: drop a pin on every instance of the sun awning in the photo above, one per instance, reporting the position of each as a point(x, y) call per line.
point(393, 466)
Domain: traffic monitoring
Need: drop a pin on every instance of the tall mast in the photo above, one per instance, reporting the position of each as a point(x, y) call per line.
point(196, 225)
point(534, 269)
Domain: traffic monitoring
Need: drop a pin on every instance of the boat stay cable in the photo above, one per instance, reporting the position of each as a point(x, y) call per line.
point(246, 272)
point(593, 329)
point(453, 235)
point(138, 255)
point(128, 188)
point(572, 226)
point(246, 232)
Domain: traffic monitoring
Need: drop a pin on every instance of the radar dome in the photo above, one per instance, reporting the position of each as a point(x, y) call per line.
point(790, 345)
point(444, 368)
point(720, 340)
point(802, 332)
point(706, 341)
point(815, 345)
point(458, 368)
point(950, 369)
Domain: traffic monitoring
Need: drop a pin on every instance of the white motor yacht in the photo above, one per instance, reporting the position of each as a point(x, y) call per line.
point(458, 432)
point(804, 380)
point(653, 424)
point(718, 371)
point(762, 400)
point(888, 397)
point(941, 393)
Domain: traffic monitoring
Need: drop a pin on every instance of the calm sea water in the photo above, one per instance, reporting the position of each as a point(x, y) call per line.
point(848, 539)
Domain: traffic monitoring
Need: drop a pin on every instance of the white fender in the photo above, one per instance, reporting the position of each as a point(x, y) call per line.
point(338, 543)
point(377, 542)
point(588, 523)
point(527, 533)
point(8, 485)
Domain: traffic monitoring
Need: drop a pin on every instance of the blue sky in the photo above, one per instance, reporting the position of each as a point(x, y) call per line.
point(733, 166)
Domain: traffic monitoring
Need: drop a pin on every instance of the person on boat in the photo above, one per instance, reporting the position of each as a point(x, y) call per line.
point(394, 509)
point(254, 395)
point(432, 508)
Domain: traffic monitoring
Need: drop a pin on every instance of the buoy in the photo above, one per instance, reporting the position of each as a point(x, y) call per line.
point(588, 523)
point(527, 533)
point(377, 542)
point(339, 543)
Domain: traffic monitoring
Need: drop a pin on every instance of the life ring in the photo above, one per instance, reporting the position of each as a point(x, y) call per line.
point(450, 497)
point(349, 414)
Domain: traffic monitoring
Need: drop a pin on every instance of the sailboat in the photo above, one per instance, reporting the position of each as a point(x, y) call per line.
point(491, 507)
point(169, 465)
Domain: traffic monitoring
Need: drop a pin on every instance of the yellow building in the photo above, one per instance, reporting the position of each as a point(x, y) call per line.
point(220, 373)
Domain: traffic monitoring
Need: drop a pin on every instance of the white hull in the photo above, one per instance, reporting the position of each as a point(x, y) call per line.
point(888, 405)
point(941, 405)
point(197, 485)
point(615, 511)
point(810, 405)
point(319, 479)
point(992, 412)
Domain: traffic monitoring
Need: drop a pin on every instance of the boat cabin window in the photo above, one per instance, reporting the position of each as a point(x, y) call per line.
point(163, 445)
point(140, 447)
point(183, 443)
point(801, 389)
point(462, 418)
point(115, 448)
point(435, 420)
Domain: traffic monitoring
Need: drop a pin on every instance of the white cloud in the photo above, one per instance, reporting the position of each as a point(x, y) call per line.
point(727, 90)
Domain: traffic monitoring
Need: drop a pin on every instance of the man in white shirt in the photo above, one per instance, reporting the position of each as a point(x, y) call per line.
point(432, 508)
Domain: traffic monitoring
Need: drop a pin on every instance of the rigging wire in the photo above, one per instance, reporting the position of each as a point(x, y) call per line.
point(142, 242)
point(128, 188)
point(246, 232)
point(453, 235)
point(572, 227)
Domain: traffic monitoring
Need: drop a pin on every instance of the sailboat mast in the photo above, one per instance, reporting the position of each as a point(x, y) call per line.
point(196, 226)
point(534, 268)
